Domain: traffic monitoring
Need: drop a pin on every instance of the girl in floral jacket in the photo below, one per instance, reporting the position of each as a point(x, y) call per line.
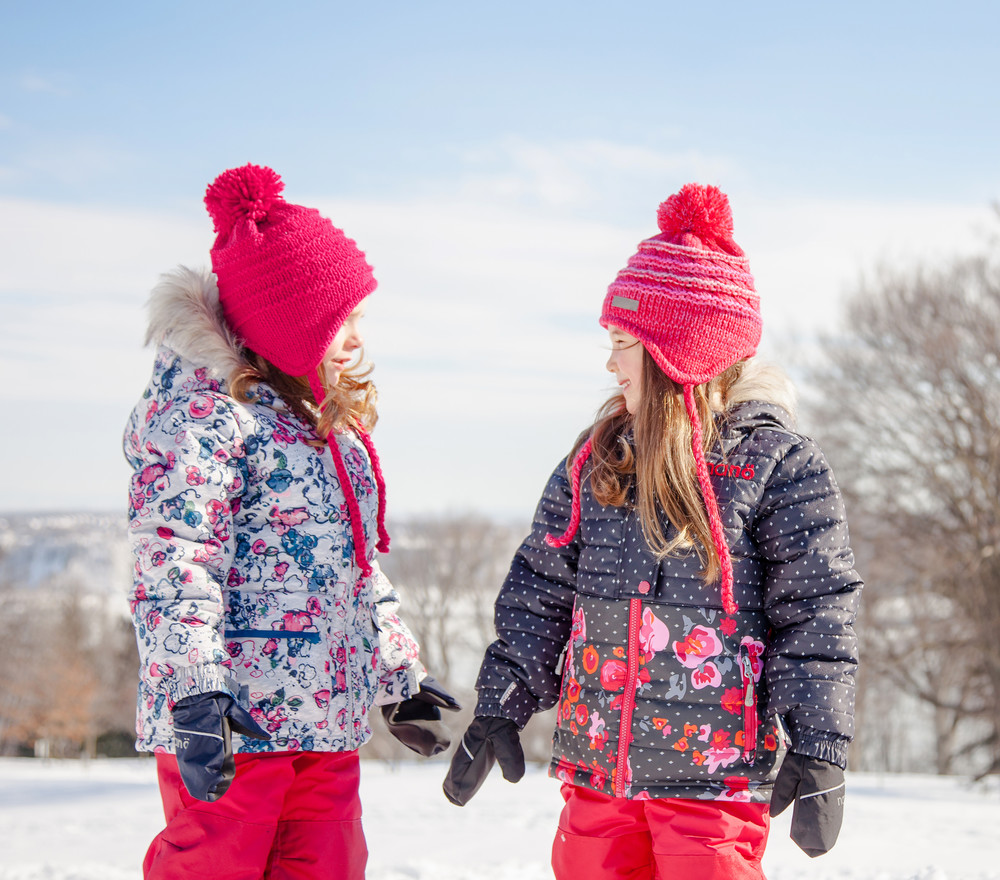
point(266, 629)
point(687, 594)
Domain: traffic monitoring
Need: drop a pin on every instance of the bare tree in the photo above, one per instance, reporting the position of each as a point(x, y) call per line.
point(448, 571)
point(910, 414)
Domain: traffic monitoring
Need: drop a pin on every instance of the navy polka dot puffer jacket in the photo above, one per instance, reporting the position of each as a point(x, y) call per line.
point(658, 692)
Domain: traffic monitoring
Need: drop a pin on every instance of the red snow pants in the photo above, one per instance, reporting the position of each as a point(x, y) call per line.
point(601, 837)
point(286, 816)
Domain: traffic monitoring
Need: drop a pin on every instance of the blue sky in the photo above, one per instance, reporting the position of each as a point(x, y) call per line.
point(497, 163)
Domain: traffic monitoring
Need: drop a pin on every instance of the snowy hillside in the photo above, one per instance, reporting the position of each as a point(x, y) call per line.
point(78, 551)
point(93, 820)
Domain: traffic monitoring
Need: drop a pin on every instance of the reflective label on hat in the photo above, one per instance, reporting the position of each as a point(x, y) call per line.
point(623, 302)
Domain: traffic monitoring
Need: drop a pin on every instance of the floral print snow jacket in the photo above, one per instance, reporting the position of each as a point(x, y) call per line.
point(659, 693)
point(245, 580)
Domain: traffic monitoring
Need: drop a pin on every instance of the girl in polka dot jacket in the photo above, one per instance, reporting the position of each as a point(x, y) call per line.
point(687, 593)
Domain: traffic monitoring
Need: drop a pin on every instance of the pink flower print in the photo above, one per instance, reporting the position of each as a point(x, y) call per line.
point(273, 718)
point(200, 407)
point(653, 635)
point(158, 670)
point(699, 645)
point(194, 477)
point(279, 571)
point(296, 621)
point(614, 673)
point(598, 776)
point(282, 436)
point(341, 680)
point(756, 651)
point(707, 676)
point(151, 473)
point(720, 757)
point(578, 632)
point(313, 606)
point(597, 733)
point(270, 647)
point(322, 699)
point(704, 732)
point(152, 410)
point(565, 771)
point(285, 520)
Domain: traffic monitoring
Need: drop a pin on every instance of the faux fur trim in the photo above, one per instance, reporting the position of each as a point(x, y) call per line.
point(185, 314)
point(767, 383)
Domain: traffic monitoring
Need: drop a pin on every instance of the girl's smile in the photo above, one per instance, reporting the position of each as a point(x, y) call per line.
point(626, 363)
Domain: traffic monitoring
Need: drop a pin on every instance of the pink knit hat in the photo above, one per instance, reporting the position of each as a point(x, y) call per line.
point(688, 295)
point(288, 279)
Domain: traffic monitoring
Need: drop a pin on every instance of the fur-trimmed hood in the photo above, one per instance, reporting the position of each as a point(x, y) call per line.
point(185, 315)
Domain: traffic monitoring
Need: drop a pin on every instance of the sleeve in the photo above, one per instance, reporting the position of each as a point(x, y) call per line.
point(812, 593)
point(400, 669)
point(189, 474)
point(520, 672)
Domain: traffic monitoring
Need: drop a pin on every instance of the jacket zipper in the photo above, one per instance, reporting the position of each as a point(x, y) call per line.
point(628, 696)
point(750, 721)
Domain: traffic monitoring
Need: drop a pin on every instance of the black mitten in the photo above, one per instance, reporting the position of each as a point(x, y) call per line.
point(816, 788)
point(416, 722)
point(203, 726)
point(487, 740)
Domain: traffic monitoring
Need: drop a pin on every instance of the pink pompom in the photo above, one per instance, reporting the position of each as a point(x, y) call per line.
point(242, 193)
point(700, 210)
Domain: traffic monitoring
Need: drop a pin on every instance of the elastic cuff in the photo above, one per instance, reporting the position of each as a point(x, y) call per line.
point(826, 747)
point(400, 684)
point(187, 681)
point(514, 703)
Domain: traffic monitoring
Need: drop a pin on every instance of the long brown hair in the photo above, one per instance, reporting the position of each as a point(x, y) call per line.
point(350, 405)
point(649, 454)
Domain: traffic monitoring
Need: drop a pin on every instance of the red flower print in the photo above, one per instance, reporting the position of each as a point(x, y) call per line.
point(727, 626)
point(590, 659)
point(582, 714)
point(770, 742)
point(573, 690)
point(613, 674)
point(720, 739)
point(732, 701)
point(736, 784)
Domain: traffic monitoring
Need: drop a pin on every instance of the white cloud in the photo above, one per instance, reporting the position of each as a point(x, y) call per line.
point(49, 84)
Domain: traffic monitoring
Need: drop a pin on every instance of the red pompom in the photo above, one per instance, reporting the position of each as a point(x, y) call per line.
point(239, 193)
point(702, 211)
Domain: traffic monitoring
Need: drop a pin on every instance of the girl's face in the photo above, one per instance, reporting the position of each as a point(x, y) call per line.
point(345, 345)
point(626, 363)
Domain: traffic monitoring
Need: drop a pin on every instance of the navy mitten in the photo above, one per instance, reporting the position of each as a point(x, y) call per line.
point(816, 788)
point(417, 723)
point(203, 726)
point(487, 740)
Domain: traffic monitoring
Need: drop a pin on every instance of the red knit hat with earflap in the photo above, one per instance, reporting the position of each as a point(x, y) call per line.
point(687, 294)
point(288, 279)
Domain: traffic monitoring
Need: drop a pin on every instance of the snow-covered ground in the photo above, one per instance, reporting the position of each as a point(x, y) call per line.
point(93, 820)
